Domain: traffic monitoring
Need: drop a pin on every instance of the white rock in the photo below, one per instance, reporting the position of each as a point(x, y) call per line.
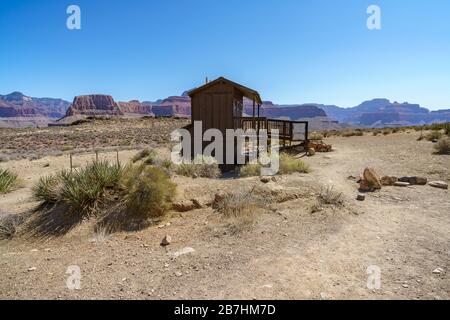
point(439, 184)
point(186, 250)
point(438, 271)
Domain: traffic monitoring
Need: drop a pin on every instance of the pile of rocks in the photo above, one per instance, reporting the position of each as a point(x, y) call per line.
point(371, 181)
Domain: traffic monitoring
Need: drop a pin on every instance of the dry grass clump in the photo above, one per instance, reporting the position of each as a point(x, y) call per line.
point(327, 197)
point(316, 136)
point(250, 170)
point(147, 155)
point(239, 209)
point(288, 164)
point(148, 191)
point(8, 181)
point(434, 135)
point(202, 167)
point(443, 146)
point(352, 133)
point(9, 224)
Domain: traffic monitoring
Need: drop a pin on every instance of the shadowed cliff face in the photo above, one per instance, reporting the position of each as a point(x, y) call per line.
point(135, 107)
point(93, 105)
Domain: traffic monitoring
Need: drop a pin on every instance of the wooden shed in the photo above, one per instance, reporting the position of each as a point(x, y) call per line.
point(219, 104)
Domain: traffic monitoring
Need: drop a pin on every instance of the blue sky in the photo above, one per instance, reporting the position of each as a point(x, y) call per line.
point(291, 51)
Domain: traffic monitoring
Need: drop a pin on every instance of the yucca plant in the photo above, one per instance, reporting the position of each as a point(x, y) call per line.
point(46, 189)
point(8, 181)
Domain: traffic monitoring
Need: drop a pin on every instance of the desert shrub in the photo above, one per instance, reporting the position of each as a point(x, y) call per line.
point(447, 129)
point(289, 164)
point(148, 190)
point(239, 209)
point(315, 136)
point(434, 135)
point(8, 181)
point(207, 167)
point(80, 191)
point(146, 153)
point(386, 131)
point(330, 197)
point(376, 132)
point(9, 224)
point(46, 189)
point(352, 133)
point(250, 170)
point(443, 146)
point(83, 190)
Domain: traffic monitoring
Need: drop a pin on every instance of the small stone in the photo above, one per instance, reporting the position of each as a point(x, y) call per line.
point(438, 271)
point(360, 197)
point(402, 184)
point(32, 269)
point(439, 184)
point(178, 274)
point(166, 240)
point(405, 285)
point(186, 250)
point(311, 152)
point(265, 179)
point(34, 250)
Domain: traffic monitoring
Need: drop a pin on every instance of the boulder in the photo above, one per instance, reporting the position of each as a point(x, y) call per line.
point(311, 152)
point(372, 178)
point(388, 181)
point(439, 184)
point(218, 198)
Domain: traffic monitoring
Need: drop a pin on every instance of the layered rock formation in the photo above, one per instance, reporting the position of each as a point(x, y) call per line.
point(135, 107)
point(94, 105)
point(179, 106)
point(19, 105)
point(291, 112)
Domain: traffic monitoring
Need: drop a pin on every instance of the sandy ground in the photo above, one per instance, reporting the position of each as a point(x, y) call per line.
point(290, 252)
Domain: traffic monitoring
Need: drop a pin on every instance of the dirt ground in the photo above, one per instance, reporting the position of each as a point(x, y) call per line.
point(290, 253)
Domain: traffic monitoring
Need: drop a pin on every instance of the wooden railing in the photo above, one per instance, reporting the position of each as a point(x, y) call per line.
point(287, 129)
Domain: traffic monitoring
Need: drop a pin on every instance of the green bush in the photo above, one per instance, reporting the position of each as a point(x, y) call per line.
point(8, 181)
point(148, 191)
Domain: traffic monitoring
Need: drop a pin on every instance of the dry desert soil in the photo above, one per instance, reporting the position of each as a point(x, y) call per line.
point(294, 250)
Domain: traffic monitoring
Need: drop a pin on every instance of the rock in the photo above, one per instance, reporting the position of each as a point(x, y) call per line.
point(360, 197)
point(218, 198)
point(438, 271)
point(184, 206)
point(186, 250)
point(32, 269)
point(94, 105)
point(265, 179)
point(178, 274)
point(311, 152)
point(388, 181)
point(364, 186)
point(439, 184)
point(166, 240)
point(414, 180)
point(372, 178)
point(402, 184)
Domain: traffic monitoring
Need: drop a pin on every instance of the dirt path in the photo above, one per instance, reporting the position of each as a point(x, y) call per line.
point(291, 253)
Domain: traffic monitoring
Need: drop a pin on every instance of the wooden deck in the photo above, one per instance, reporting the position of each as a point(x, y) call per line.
point(289, 131)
